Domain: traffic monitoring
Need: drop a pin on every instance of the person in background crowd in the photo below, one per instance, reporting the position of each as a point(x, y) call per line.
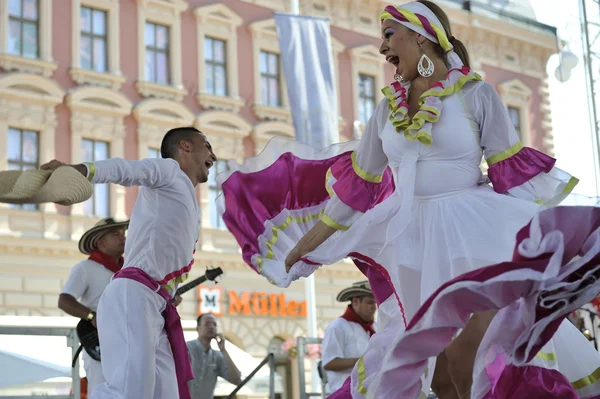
point(105, 244)
point(207, 363)
point(346, 338)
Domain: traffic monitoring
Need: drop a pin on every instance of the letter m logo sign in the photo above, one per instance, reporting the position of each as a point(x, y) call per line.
point(209, 300)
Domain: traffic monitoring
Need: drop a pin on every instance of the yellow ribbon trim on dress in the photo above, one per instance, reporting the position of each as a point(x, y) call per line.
point(585, 381)
point(360, 368)
point(573, 181)
point(501, 156)
point(363, 174)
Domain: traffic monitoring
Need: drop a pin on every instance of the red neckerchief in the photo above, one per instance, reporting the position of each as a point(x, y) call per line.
point(351, 315)
point(107, 261)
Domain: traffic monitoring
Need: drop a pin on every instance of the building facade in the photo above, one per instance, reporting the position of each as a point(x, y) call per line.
point(84, 80)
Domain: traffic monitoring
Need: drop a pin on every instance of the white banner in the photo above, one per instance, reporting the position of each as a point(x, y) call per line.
point(307, 60)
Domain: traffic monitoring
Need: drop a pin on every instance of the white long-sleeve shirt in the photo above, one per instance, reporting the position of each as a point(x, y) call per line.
point(165, 223)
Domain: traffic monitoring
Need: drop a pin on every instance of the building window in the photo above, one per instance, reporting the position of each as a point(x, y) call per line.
point(93, 49)
point(216, 66)
point(213, 192)
point(23, 154)
point(515, 116)
point(270, 79)
point(157, 53)
point(99, 204)
point(23, 28)
point(366, 97)
point(153, 152)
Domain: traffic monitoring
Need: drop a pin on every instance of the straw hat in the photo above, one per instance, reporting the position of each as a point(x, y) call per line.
point(89, 239)
point(64, 186)
point(361, 288)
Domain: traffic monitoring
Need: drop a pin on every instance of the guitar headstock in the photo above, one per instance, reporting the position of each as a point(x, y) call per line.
point(212, 274)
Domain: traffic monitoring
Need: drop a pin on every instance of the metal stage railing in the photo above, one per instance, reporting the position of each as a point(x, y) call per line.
point(72, 342)
point(270, 358)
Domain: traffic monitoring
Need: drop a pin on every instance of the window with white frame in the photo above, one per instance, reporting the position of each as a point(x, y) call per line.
point(214, 191)
point(215, 64)
point(367, 77)
point(366, 97)
point(153, 152)
point(23, 154)
point(160, 49)
point(270, 91)
point(515, 117)
point(99, 204)
point(216, 23)
point(157, 53)
point(23, 28)
point(270, 79)
point(93, 50)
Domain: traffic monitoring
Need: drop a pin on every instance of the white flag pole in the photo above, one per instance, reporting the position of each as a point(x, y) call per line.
point(309, 283)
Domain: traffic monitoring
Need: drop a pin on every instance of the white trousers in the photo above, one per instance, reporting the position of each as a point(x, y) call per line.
point(137, 360)
point(93, 371)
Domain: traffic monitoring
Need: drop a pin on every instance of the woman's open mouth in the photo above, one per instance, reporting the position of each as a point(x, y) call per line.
point(392, 59)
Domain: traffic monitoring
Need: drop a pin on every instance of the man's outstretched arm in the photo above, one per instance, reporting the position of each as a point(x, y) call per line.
point(147, 172)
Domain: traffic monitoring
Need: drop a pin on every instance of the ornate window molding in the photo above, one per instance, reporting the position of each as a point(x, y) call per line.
point(167, 13)
point(264, 38)
point(112, 78)
point(366, 60)
point(155, 117)
point(516, 94)
point(44, 65)
point(263, 132)
point(219, 22)
point(98, 113)
point(27, 102)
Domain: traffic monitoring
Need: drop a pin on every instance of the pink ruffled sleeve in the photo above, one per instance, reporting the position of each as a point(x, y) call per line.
point(513, 168)
point(359, 181)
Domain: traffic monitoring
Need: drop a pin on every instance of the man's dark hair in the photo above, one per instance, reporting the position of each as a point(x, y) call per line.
point(170, 143)
point(199, 319)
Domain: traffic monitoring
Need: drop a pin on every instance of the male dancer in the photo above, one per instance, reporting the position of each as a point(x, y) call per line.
point(104, 243)
point(143, 349)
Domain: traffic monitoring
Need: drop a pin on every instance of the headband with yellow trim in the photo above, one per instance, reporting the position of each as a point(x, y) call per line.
point(409, 18)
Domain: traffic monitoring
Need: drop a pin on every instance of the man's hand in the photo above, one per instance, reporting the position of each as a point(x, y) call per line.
point(221, 342)
point(176, 300)
point(55, 164)
point(52, 165)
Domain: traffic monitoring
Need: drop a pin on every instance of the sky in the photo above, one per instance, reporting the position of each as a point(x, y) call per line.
point(570, 110)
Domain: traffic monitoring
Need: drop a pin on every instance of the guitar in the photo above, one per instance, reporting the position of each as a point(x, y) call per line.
point(88, 334)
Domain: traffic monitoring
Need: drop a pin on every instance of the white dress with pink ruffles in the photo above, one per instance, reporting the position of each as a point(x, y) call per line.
point(410, 199)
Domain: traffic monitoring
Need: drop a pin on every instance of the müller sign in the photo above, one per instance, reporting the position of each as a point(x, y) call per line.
point(248, 303)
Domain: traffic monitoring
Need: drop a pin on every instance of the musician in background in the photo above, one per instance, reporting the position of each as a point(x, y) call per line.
point(105, 244)
point(207, 363)
point(346, 337)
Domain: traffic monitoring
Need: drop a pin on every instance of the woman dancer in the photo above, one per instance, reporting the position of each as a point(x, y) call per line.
point(410, 201)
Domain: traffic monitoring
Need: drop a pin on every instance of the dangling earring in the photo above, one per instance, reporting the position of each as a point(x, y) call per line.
point(398, 78)
point(425, 71)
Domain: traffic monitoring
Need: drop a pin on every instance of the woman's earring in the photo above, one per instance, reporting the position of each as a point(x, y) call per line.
point(398, 78)
point(425, 71)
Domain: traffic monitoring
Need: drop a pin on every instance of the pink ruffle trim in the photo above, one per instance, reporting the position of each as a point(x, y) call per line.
point(356, 192)
point(519, 168)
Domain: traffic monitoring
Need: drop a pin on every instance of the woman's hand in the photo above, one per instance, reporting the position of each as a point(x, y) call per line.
point(311, 240)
